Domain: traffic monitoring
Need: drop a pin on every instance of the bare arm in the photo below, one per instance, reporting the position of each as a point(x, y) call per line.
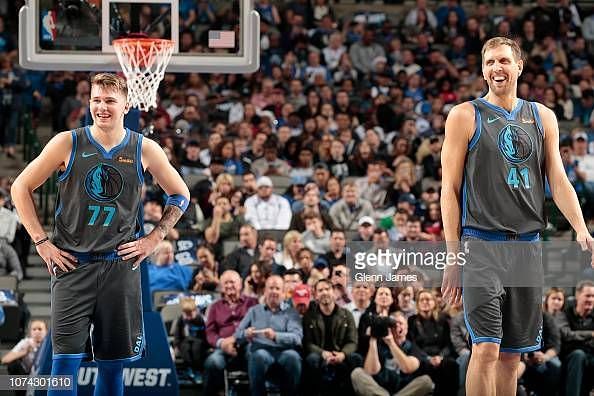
point(372, 364)
point(12, 356)
point(155, 161)
point(408, 364)
point(563, 192)
point(55, 156)
point(459, 129)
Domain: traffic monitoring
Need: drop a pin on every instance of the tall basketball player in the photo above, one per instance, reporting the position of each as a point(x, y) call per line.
point(496, 153)
point(95, 250)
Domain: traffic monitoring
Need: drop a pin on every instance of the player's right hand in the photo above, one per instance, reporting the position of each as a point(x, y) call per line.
point(56, 257)
point(587, 243)
point(451, 289)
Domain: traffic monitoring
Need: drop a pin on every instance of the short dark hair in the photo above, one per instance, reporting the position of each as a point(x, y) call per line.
point(294, 271)
point(322, 280)
point(413, 219)
point(582, 285)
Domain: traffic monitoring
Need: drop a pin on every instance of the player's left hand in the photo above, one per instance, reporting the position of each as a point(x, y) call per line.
point(587, 243)
point(140, 248)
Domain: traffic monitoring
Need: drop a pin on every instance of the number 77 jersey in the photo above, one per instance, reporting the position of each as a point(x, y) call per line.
point(504, 173)
point(99, 194)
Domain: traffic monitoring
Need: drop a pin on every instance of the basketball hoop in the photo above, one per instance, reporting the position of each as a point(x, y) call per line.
point(143, 61)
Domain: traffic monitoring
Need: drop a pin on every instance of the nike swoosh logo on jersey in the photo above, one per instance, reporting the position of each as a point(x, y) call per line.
point(492, 120)
point(86, 155)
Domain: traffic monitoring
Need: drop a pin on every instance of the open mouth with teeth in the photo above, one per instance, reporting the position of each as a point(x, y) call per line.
point(499, 79)
point(103, 116)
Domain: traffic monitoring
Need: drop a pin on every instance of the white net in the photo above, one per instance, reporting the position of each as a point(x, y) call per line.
point(143, 62)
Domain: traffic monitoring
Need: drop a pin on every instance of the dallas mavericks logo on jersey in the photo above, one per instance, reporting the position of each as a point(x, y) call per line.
point(104, 183)
point(515, 144)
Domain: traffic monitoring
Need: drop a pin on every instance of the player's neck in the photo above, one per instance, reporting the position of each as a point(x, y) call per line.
point(108, 138)
point(507, 102)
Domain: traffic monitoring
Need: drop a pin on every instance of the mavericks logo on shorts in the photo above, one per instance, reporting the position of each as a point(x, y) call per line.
point(515, 144)
point(104, 183)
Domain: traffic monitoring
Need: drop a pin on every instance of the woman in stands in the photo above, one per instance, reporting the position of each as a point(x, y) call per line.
point(292, 243)
point(20, 359)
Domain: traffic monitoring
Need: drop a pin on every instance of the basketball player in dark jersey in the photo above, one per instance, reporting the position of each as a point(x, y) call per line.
point(96, 247)
point(496, 153)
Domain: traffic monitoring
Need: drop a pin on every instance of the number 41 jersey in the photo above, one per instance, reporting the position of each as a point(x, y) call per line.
point(504, 174)
point(99, 194)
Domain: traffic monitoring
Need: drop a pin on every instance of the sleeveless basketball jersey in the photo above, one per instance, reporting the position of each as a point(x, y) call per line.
point(99, 194)
point(504, 174)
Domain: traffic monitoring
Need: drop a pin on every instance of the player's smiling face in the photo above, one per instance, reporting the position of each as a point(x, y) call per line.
point(501, 69)
point(108, 107)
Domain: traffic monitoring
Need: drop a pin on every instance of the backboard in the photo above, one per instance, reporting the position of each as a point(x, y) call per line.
point(211, 36)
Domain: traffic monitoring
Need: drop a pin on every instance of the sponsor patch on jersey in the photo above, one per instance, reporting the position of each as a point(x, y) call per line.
point(125, 160)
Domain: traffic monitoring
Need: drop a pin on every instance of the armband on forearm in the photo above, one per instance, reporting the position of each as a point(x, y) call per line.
point(178, 200)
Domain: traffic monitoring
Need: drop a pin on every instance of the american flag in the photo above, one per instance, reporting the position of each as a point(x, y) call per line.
point(221, 39)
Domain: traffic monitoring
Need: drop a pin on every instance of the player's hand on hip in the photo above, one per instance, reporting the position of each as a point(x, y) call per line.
point(139, 249)
point(451, 288)
point(55, 257)
point(587, 243)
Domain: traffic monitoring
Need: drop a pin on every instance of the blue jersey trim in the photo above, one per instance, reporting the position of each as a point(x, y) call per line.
point(64, 175)
point(473, 337)
point(59, 210)
point(509, 116)
point(537, 118)
point(113, 151)
point(478, 128)
point(494, 340)
point(500, 236)
point(531, 348)
point(464, 199)
point(69, 355)
point(139, 168)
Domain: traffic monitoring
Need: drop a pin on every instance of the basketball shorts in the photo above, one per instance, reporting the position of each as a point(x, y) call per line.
point(494, 311)
point(97, 310)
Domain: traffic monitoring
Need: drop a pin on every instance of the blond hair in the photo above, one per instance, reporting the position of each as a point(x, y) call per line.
point(111, 81)
point(187, 304)
point(498, 41)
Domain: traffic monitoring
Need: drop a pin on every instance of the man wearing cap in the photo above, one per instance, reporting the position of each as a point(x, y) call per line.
point(301, 298)
point(266, 210)
point(347, 211)
point(329, 343)
point(366, 229)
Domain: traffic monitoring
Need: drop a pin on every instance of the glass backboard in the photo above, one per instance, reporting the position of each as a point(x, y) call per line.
point(210, 35)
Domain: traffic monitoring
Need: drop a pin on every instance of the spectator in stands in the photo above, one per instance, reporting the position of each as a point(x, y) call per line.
point(396, 225)
point(329, 343)
point(224, 225)
point(373, 186)
point(226, 150)
point(165, 273)
point(577, 338)
point(543, 367)
point(333, 191)
point(362, 292)
point(365, 230)
point(9, 259)
point(189, 337)
point(363, 52)
point(266, 210)
point(301, 298)
point(190, 162)
point(274, 332)
point(412, 17)
point(347, 211)
point(461, 342)
point(406, 302)
point(392, 363)
point(414, 232)
point(310, 205)
point(339, 276)
point(214, 139)
point(21, 357)
point(13, 83)
point(249, 185)
point(337, 254)
point(316, 237)
point(206, 276)
point(292, 243)
point(291, 278)
point(241, 258)
point(430, 330)
point(554, 301)
point(585, 161)
point(305, 262)
point(270, 164)
point(223, 317)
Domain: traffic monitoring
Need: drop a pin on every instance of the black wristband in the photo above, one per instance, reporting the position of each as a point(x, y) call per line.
point(41, 241)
